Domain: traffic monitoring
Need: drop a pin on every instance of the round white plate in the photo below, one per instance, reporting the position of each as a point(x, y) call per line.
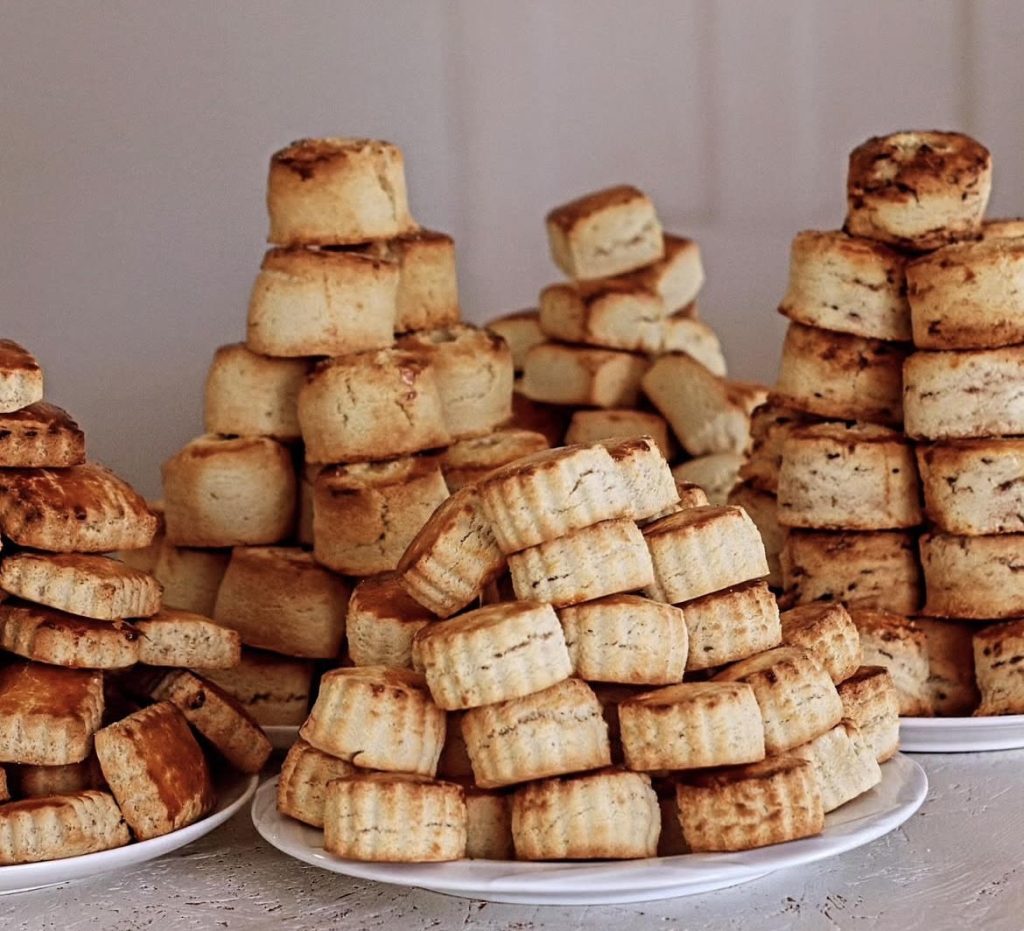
point(232, 793)
point(962, 735)
point(282, 736)
point(901, 792)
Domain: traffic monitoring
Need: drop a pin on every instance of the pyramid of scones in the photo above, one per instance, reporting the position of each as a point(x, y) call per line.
point(88, 769)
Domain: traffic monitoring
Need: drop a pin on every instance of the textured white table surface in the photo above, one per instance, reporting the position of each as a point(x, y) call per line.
point(956, 864)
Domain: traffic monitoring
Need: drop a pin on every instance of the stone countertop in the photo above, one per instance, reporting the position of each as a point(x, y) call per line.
point(956, 864)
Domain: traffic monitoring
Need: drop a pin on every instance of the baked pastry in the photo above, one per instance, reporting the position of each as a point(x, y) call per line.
point(229, 492)
point(174, 637)
point(605, 233)
point(587, 427)
point(702, 550)
point(144, 558)
point(650, 485)
point(302, 785)
point(681, 333)
point(841, 376)
point(40, 436)
point(488, 825)
point(275, 690)
point(878, 569)
point(770, 426)
point(48, 714)
point(847, 284)
point(279, 599)
point(582, 376)
point(978, 578)
point(365, 514)
point(730, 625)
point(21, 378)
point(848, 476)
point(610, 814)
point(973, 487)
point(334, 191)
point(898, 644)
point(678, 276)
point(845, 764)
point(377, 717)
point(155, 770)
point(559, 730)
point(716, 473)
point(47, 635)
point(692, 725)
point(190, 577)
point(826, 631)
point(762, 508)
point(381, 621)
point(521, 330)
point(918, 190)
point(975, 393)
point(469, 460)
point(625, 638)
point(251, 395)
point(36, 829)
point(29, 781)
point(997, 652)
point(952, 689)
point(612, 313)
point(394, 818)
point(82, 509)
point(1007, 228)
point(871, 701)
point(369, 406)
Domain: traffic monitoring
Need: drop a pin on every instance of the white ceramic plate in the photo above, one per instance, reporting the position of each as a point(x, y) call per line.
point(901, 792)
point(962, 735)
point(282, 736)
point(232, 793)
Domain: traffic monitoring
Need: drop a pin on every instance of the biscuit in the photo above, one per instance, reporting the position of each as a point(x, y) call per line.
point(279, 599)
point(650, 485)
point(47, 635)
point(681, 333)
point(40, 781)
point(48, 714)
point(366, 514)
point(229, 492)
point(770, 426)
point(691, 726)
point(190, 577)
point(625, 638)
point(708, 414)
point(977, 393)
point(978, 578)
point(155, 770)
point(606, 815)
point(611, 313)
point(474, 374)
point(559, 730)
point(763, 511)
point(335, 191)
point(251, 395)
point(602, 559)
point(918, 190)
point(605, 233)
point(488, 825)
point(394, 818)
point(521, 330)
point(952, 689)
point(275, 690)
point(826, 631)
point(750, 806)
point(898, 644)
point(877, 570)
point(381, 621)
point(841, 376)
point(21, 378)
point(302, 785)
point(702, 550)
point(549, 420)
point(40, 436)
point(82, 509)
point(796, 695)
point(716, 473)
point(453, 557)
point(369, 406)
point(871, 701)
point(180, 638)
point(582, 376)
point(848, 476)
point(845, 764)
point(731, 625)
point(377, 717)
point(469, 460)
point(997, 653)
point(588, 427)
point(677, 277)
point(60, 826)
point(493, 654)
point(847, 284)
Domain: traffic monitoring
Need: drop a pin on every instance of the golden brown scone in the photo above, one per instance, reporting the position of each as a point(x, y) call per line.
point(302, 785)
point(682, 333)
point(847, 284)
point(841, 376)
point(611, 313)
point(144, 558)
point(335, 191)
point(550, 420)
point(901, 646)
point(1007, 228)
point(650, 485)
point(381, 621)
point(844, 761)
point(611, 814)
point(279, 599)
point(582, 376)
point(731, 625)
point(593, 426)
point(155, 770)
point(918, 190)
point(605, 233)
point(47, 635)
point(190, 577)
point(48, 714)
point(83, 509)
point(40, 436)
point(997, 661)
point(750, 806)
point(677, 277)
point(21, 378)
point(58, 826)
point(521, 330)
point(952, 689)
point(372, 405)
point(274, 689)
point(365, 514)
point(762, 508)
point(488, 825)
point(28, 781)
point(871, 701)
point(229, 492)
point(977, 578)
point(469, 460)
point(377, 717)
point(394, 818)
point(770, 426)
point(716, 473)
point(826, 631)
point(173, 637)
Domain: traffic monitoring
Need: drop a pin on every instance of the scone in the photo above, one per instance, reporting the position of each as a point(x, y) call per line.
point(521, 330)
point(144, 558)
point(21, 378)
point(40, 436)
point(845, 763)
point(681, 333)
point(1007, 228)
point(488, 824)
point(764, 512)
point(918, 190)
point(302, 785)
point(611, 313)
point(997, 652)
point(678, 276)
point(335, 191)
point(649, 482)
point(469, 460)
point(593, 426)
point(605, 233)
point(898, 644)
point(27, 781)
point(190, 577)
point(274, 689)
point(826, 631)
point(770, 426)
point(952, 689)
point(978, 578)
point(60, 826)
point(174, 637)
point(229, 492)
point(716, 473)
point(731, 625)
point(871, 701)
point(550, 420)
point(381, 621)
point(47, 635)
point(582, 376)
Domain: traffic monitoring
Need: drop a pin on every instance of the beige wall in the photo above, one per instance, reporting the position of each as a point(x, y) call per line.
point(135, 137)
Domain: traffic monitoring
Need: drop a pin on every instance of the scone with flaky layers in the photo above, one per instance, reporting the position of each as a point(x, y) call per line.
point(381, 621)
point(826, 630)
point(997, 653)
point(845, 763)
point(47, 635)
point(731, 625)
point(682, 333)
point(677, 277)
point(901, 646)
point(57, 826)
point(650, 485)
point(871, 701)
point(21, 378)
point(173, 637)
point(302, 785)
point(40, 436)
point(582, 376)
point(770, 427)
point(716, 473)
point(952, 685)
point(764, 512)
point(977, 578)
point(611, 313)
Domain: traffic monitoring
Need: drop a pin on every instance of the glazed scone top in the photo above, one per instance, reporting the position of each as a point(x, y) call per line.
point(303, 155)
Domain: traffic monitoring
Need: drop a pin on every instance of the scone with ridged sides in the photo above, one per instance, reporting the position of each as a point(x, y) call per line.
point(582, 376)
point(770, 426)
point(588, 427)
point(763, 510)
point(21, 378)
point(716, 473)
point(650, 485)
point(190, 577)
point(918, 190)
point(612, 814)
point(40, 436)
point(36, 829)
point(997, 661)
point(274, 689)
point(871, 701)
point(898, 644)
point(611, 313)
point(488, 825)
point(681, 333)
point(335, 191)
point(469, 460)
point(521, 330)
point(47, 635)
point(826, 631)
point(952, 688)
point(381, 621)
point(976, 578)
point(173, 637)
point(731, 625)
point(677, 277)
point(845, 764)
point(377, 717)
point(302, 785)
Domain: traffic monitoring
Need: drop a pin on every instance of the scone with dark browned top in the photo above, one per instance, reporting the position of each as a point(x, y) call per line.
point(39, 436)
point(21, 378)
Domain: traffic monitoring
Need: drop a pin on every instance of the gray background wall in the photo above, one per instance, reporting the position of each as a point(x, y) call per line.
point(134, 138)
